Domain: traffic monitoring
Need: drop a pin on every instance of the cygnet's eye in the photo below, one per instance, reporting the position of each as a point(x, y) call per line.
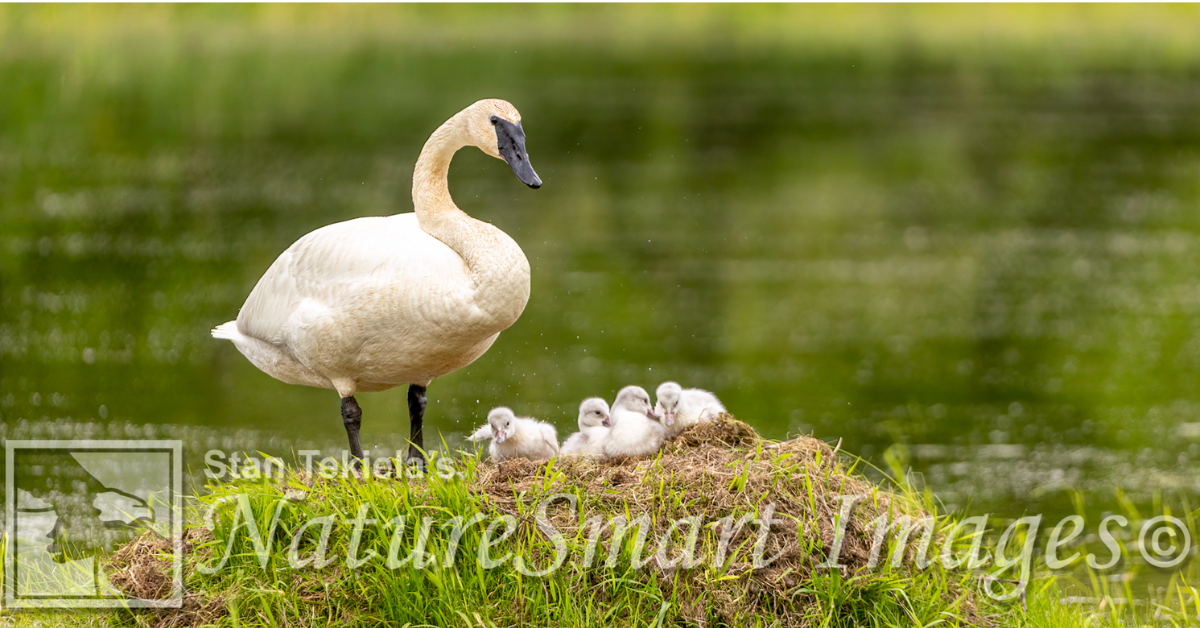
point(495, 119)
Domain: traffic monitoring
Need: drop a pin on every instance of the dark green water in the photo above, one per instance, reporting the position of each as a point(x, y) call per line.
point(984, 271)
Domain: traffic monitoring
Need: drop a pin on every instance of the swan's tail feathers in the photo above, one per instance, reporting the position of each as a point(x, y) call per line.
point(482, 433)
point(227, 331)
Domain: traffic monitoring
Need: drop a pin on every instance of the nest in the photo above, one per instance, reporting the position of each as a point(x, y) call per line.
point(713, 470)
point(143, 570)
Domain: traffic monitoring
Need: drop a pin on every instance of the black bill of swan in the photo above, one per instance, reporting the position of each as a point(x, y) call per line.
point(373, 303)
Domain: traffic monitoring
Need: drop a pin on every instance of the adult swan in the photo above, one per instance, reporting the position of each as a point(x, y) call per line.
point(372, 303)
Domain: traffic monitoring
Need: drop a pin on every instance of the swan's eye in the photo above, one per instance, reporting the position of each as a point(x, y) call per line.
point(495, 119)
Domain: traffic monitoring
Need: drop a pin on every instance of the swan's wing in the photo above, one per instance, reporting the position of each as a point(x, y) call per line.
point(347, 265)
point(550, 435)
point(700, 404)
point(711, 410)
point(713, 404)
point(546, 433)
point(482, 433)
point(595, 440)
point(575, 442)
point(704, 397)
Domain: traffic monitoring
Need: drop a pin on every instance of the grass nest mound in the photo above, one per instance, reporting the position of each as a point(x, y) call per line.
point(717, 481)
point(142, 570)
point(721, 468)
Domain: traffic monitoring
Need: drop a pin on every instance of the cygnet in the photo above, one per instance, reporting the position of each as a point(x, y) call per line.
point(635, 430)
point(683, 407)
point(517, 437)
point(594, 424)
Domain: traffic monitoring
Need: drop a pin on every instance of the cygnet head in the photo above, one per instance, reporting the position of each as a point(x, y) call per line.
point(494, 126)
point(635, 399)
point(593, 412)
point(501, 419)
point(668, 394)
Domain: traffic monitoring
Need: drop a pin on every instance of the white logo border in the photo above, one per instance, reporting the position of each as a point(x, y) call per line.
point(175, 447)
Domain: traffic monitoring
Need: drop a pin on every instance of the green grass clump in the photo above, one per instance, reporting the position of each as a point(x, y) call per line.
point(272, 570)
point(304, 549)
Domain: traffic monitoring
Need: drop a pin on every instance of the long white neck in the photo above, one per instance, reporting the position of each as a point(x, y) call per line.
point(436, 212)
point(496, 264)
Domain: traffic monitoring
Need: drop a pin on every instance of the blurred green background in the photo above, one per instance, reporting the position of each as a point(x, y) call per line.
point(961, 239)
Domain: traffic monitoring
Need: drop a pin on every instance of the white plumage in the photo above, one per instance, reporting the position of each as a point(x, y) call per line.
point(372, 303)
point(517, 437)
point(681, 407)
point(594, 425)
point(635, 430)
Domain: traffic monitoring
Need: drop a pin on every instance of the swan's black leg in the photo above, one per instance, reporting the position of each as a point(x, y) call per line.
point(416, 415)
point(352, 419)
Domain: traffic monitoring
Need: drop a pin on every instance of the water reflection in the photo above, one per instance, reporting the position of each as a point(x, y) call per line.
point(989, 266)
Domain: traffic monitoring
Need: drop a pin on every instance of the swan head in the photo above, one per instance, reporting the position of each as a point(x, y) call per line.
point(668, 394)
point(593, 412)
point(495, 128)
point(502, 421)
point(635, 399)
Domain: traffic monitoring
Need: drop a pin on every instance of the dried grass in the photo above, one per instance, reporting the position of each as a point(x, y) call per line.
point(712, 470)
point(142, 570)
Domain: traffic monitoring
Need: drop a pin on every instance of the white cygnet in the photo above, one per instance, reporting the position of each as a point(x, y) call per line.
point(594, 424)
point(635, 427)
point(517, 437)
point(683, 407)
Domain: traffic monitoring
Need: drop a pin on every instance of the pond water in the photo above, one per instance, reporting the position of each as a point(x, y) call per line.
point(985, 273)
